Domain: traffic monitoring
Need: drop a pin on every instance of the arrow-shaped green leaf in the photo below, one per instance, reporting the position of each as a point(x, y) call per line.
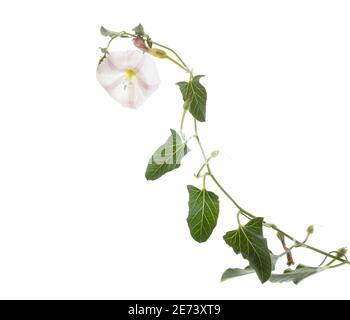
point(167, 157)
point(203, 213)
point(197, 94)
point(249, 241)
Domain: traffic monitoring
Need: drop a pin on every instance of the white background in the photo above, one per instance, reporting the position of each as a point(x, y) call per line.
point(77, 217)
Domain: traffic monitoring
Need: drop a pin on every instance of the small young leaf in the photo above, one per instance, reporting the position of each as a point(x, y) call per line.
point(234, 273)
point(167, 157)
point(249, 241)
point(139, 31)
point(196, 92)
point(104, 50)
point(149, 42)
point(300, 273)
point(203, 213)
point(107, 33)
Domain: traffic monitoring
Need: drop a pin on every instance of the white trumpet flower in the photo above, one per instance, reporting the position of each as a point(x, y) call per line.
point(130, 77)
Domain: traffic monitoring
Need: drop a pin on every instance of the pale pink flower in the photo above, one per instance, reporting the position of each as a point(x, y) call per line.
point(130, 77)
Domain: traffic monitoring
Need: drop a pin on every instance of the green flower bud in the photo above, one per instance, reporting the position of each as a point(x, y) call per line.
point(342, 251)
point(310, 229)
point(215, 153)
point(157, 53)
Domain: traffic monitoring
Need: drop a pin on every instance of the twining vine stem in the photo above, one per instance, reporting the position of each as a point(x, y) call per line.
point(334, 255)
point(241, 209)
point(184, 66)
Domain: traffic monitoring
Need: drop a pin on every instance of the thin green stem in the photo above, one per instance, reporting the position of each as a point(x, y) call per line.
point(201, 147)
point(238, 220)
point(244, 214)
point(338, 265)
point(201, 169)
point(326, 257)
point(109, 42)
point(129, 34)
point(175, 53)
point(306, 238)
point(106, 49)
point(229, 196)
point(190, 138)
point(177, 63)
point(247, 214)
point(183, 119)
point(301, 244)
point(203, 166)
point(294, 246)
point(204, 178)
point(331, 262)
point(334, 260)
point(272, 226)
point(181, 64)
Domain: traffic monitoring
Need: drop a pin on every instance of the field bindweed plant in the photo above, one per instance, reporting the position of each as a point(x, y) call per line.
point(130, 77)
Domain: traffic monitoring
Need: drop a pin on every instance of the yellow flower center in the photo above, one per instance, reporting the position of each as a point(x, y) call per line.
point(129, 73)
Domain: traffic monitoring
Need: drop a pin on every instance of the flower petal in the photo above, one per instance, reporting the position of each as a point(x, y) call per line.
point(123, 60)
point(107, 73)
point(148, 73)
point(130, 96)
point(130, 91)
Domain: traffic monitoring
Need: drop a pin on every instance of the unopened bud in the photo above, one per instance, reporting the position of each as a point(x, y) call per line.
point(214, 154)
point(139, 42)
point(342, 251)
point(157, 53)
point(310, 229)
